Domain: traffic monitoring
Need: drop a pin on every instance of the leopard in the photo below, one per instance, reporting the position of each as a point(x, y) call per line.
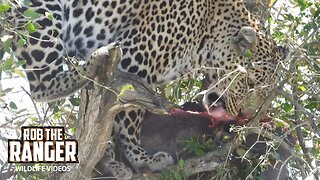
point(161, 41)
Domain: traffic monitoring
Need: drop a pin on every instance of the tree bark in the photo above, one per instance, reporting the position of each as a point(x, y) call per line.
point(95, 120)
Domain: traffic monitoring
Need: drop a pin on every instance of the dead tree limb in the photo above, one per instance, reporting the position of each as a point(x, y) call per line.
point(100, 105)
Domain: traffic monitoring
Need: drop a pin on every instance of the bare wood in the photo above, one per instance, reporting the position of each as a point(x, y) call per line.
point(95, 122)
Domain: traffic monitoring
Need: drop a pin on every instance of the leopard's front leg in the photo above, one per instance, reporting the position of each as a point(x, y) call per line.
point(108, 167)
point(127, 135)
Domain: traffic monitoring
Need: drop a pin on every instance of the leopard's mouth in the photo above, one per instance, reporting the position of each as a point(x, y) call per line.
point(218, 112)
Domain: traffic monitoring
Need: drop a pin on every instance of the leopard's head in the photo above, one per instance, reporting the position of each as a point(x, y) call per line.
point(249, 74)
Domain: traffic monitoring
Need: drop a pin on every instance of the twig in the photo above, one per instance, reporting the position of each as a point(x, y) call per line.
point(283, 166)
point(34, 104)
point(13, 119)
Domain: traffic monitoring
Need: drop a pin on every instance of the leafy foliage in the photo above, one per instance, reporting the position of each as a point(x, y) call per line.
point(177, 174)
point(199, 146)
point(16, 112)
point(298, 104)
point(183, 90)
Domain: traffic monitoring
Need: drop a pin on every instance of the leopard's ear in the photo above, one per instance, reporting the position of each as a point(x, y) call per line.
point(245, 39)
point(283, 51)
point(279, 53)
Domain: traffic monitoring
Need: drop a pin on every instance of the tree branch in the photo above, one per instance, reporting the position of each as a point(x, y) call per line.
point(312, 118)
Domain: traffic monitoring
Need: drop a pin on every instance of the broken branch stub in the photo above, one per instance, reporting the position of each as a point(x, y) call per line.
point(95, 122)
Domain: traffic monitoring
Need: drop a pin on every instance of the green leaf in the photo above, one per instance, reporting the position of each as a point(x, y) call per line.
point(8, 64)
point(31, 14)
point(20, 177)
point(287, 107)
point(7, 45)
point(177, 176)
point(302, 4)
point(72, 130)
point(31, 28)
point(226, 138)
point(315, 152)
point(248, 53)
point(7, 90)
point(21, 42)
point(311, 105)
point(20, 63)
point(19, 72)
point(302, 88)
point(181, 163)
point(49, 16)
point(199, 151)
point(4, 7)
point(279, 124)
point(297, 147)
point(316, 13)
point(13, 105)
point(74, 101)
point(289, 17)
